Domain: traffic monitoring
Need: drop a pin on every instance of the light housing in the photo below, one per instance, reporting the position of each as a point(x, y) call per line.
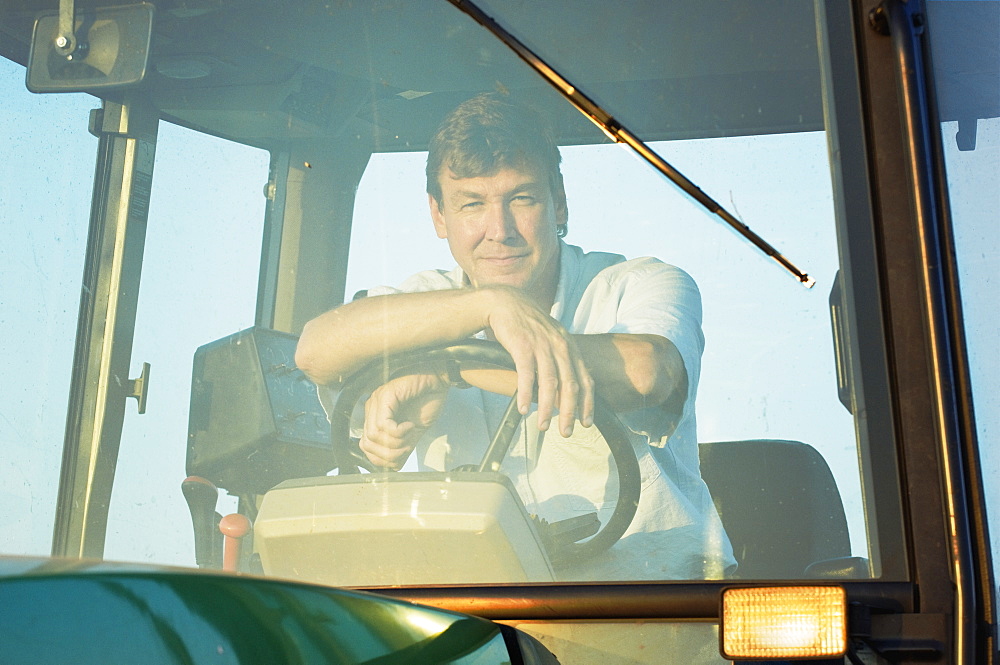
point(783, 622)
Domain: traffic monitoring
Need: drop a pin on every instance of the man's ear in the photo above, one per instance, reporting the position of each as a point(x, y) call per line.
point(437, 217)
point(559, 199)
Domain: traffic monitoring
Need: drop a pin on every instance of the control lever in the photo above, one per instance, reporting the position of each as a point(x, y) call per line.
point(233, 527)
point(201, 496)
point(561, 533)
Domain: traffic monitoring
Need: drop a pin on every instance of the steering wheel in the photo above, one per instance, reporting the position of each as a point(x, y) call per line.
point(475, 353)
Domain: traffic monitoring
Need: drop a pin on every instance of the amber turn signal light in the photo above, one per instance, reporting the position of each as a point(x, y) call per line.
point(784, 622)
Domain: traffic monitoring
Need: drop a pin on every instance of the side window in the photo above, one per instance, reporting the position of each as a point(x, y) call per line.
point(46, 177)
point(967, 87)
point(199, 280)
point(392, 236)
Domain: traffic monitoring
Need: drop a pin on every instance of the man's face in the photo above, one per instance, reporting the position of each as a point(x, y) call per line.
point(501, 229)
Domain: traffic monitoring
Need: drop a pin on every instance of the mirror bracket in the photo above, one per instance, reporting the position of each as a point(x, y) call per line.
point(65, 41)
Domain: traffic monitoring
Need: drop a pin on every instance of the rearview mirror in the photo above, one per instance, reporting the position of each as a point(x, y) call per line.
point(112, 50)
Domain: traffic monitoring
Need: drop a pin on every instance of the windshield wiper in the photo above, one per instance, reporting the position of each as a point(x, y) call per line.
point(620, 134)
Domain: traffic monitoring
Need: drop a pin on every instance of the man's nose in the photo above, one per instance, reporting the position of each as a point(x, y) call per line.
point(500, 225)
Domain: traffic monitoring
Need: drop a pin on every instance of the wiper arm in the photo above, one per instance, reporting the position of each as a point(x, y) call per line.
point(620, 134)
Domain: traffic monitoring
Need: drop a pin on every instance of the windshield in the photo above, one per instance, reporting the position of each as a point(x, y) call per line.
point(552, 364)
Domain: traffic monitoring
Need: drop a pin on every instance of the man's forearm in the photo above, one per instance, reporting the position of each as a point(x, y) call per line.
point(630, 371)
point(338, 343)
point(343, 340)
point(635, 371)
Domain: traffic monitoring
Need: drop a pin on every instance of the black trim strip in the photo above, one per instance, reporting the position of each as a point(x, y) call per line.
point(626, 601)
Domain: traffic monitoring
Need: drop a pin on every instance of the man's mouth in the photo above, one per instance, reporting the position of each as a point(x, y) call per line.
point(503, 260)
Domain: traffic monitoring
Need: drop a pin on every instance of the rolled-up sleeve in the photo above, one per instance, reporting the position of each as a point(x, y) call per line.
point(647, 296)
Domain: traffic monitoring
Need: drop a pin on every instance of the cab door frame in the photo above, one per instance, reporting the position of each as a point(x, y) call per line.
point(100, 382)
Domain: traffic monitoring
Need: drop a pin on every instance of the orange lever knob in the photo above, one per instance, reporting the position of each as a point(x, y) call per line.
point(234, 527)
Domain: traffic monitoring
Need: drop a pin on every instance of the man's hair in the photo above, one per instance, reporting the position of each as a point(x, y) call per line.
point(488, 133)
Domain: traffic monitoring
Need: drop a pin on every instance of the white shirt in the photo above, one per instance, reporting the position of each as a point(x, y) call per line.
point(676, 533)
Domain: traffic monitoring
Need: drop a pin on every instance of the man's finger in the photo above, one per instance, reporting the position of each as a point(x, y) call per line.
point(372, 452)
point(525, 368)
point(548, 390)
point(391, 435)
point(381, 406)
point(381, 416)
point(569, 392)
point(383, 456)
point(587, 400)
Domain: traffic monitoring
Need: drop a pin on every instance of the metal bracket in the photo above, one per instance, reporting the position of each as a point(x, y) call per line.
point(139, 388)
point(891, 634)
point(95, 122)
point(66, 43)
point(878, 20)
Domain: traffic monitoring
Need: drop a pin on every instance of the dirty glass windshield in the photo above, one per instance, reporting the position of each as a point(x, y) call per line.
point(412, 318)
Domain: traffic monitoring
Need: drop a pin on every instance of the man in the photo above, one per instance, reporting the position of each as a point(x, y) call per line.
point(571, 321)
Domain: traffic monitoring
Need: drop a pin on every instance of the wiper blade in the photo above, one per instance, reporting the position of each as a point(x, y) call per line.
point(620, 134)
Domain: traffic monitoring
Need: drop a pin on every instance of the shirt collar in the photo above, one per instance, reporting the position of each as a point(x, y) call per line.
point(568, 261)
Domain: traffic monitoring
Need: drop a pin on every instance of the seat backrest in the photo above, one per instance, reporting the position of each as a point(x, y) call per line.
point(779, 504)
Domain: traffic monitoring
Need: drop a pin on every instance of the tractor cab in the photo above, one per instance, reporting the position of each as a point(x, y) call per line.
point(260, 165)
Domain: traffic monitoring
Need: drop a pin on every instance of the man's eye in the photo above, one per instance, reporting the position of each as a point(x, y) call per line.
point(471, 205)
point(523, 199)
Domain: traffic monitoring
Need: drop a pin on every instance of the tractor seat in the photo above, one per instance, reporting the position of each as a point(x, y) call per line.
point(779, 505)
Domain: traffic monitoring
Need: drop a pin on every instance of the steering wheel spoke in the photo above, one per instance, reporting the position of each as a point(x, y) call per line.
point(503, 438)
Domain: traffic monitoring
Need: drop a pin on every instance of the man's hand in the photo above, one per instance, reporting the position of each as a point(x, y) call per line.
point(545, 354)
point(397, 414)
